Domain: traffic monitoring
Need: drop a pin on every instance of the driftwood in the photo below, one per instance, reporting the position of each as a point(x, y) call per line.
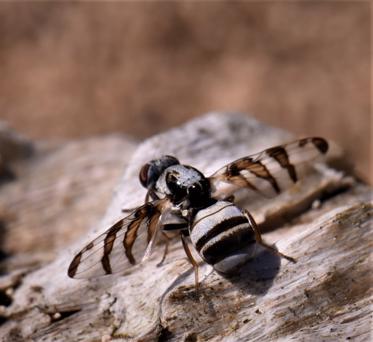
point(324, 222)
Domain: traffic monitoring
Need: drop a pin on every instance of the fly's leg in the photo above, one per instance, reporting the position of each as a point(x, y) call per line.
point(259, 240)
point(165, 252)
point(191, 259)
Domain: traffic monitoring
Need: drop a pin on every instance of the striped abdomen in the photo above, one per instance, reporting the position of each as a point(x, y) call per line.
point(222, 236)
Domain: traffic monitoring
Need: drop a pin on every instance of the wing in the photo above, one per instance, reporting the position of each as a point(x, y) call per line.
point(116, 250)
point(270, 171)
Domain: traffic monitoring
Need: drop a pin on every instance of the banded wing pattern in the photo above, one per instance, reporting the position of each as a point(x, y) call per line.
point(117, 249)
point(268, 172)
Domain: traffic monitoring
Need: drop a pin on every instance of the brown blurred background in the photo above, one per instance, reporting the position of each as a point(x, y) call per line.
point(78, 69)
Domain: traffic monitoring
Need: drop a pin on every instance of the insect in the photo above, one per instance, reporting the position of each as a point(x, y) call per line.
point(202, 209)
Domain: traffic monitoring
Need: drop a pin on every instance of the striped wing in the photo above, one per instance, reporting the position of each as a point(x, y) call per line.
point(270, 171)
point(117, 249)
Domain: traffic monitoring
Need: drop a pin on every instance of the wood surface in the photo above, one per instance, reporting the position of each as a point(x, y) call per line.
point(54, 206)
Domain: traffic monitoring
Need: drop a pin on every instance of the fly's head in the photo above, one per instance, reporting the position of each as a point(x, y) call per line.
point(151, 171)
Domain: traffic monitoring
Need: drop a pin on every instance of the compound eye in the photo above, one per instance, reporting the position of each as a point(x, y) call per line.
point(144, 175)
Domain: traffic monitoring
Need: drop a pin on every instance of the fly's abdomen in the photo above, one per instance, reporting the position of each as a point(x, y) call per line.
point(222, 236)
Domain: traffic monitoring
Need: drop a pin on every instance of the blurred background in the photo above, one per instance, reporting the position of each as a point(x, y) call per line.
point(71, 70)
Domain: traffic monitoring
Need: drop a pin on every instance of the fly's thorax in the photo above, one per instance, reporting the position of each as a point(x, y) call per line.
point(184, 185)
point(222, 234)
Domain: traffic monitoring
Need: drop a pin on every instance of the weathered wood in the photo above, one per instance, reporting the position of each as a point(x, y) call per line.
point(324, 222)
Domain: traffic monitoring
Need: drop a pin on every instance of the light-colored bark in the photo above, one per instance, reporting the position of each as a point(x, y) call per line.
point(324, 222)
